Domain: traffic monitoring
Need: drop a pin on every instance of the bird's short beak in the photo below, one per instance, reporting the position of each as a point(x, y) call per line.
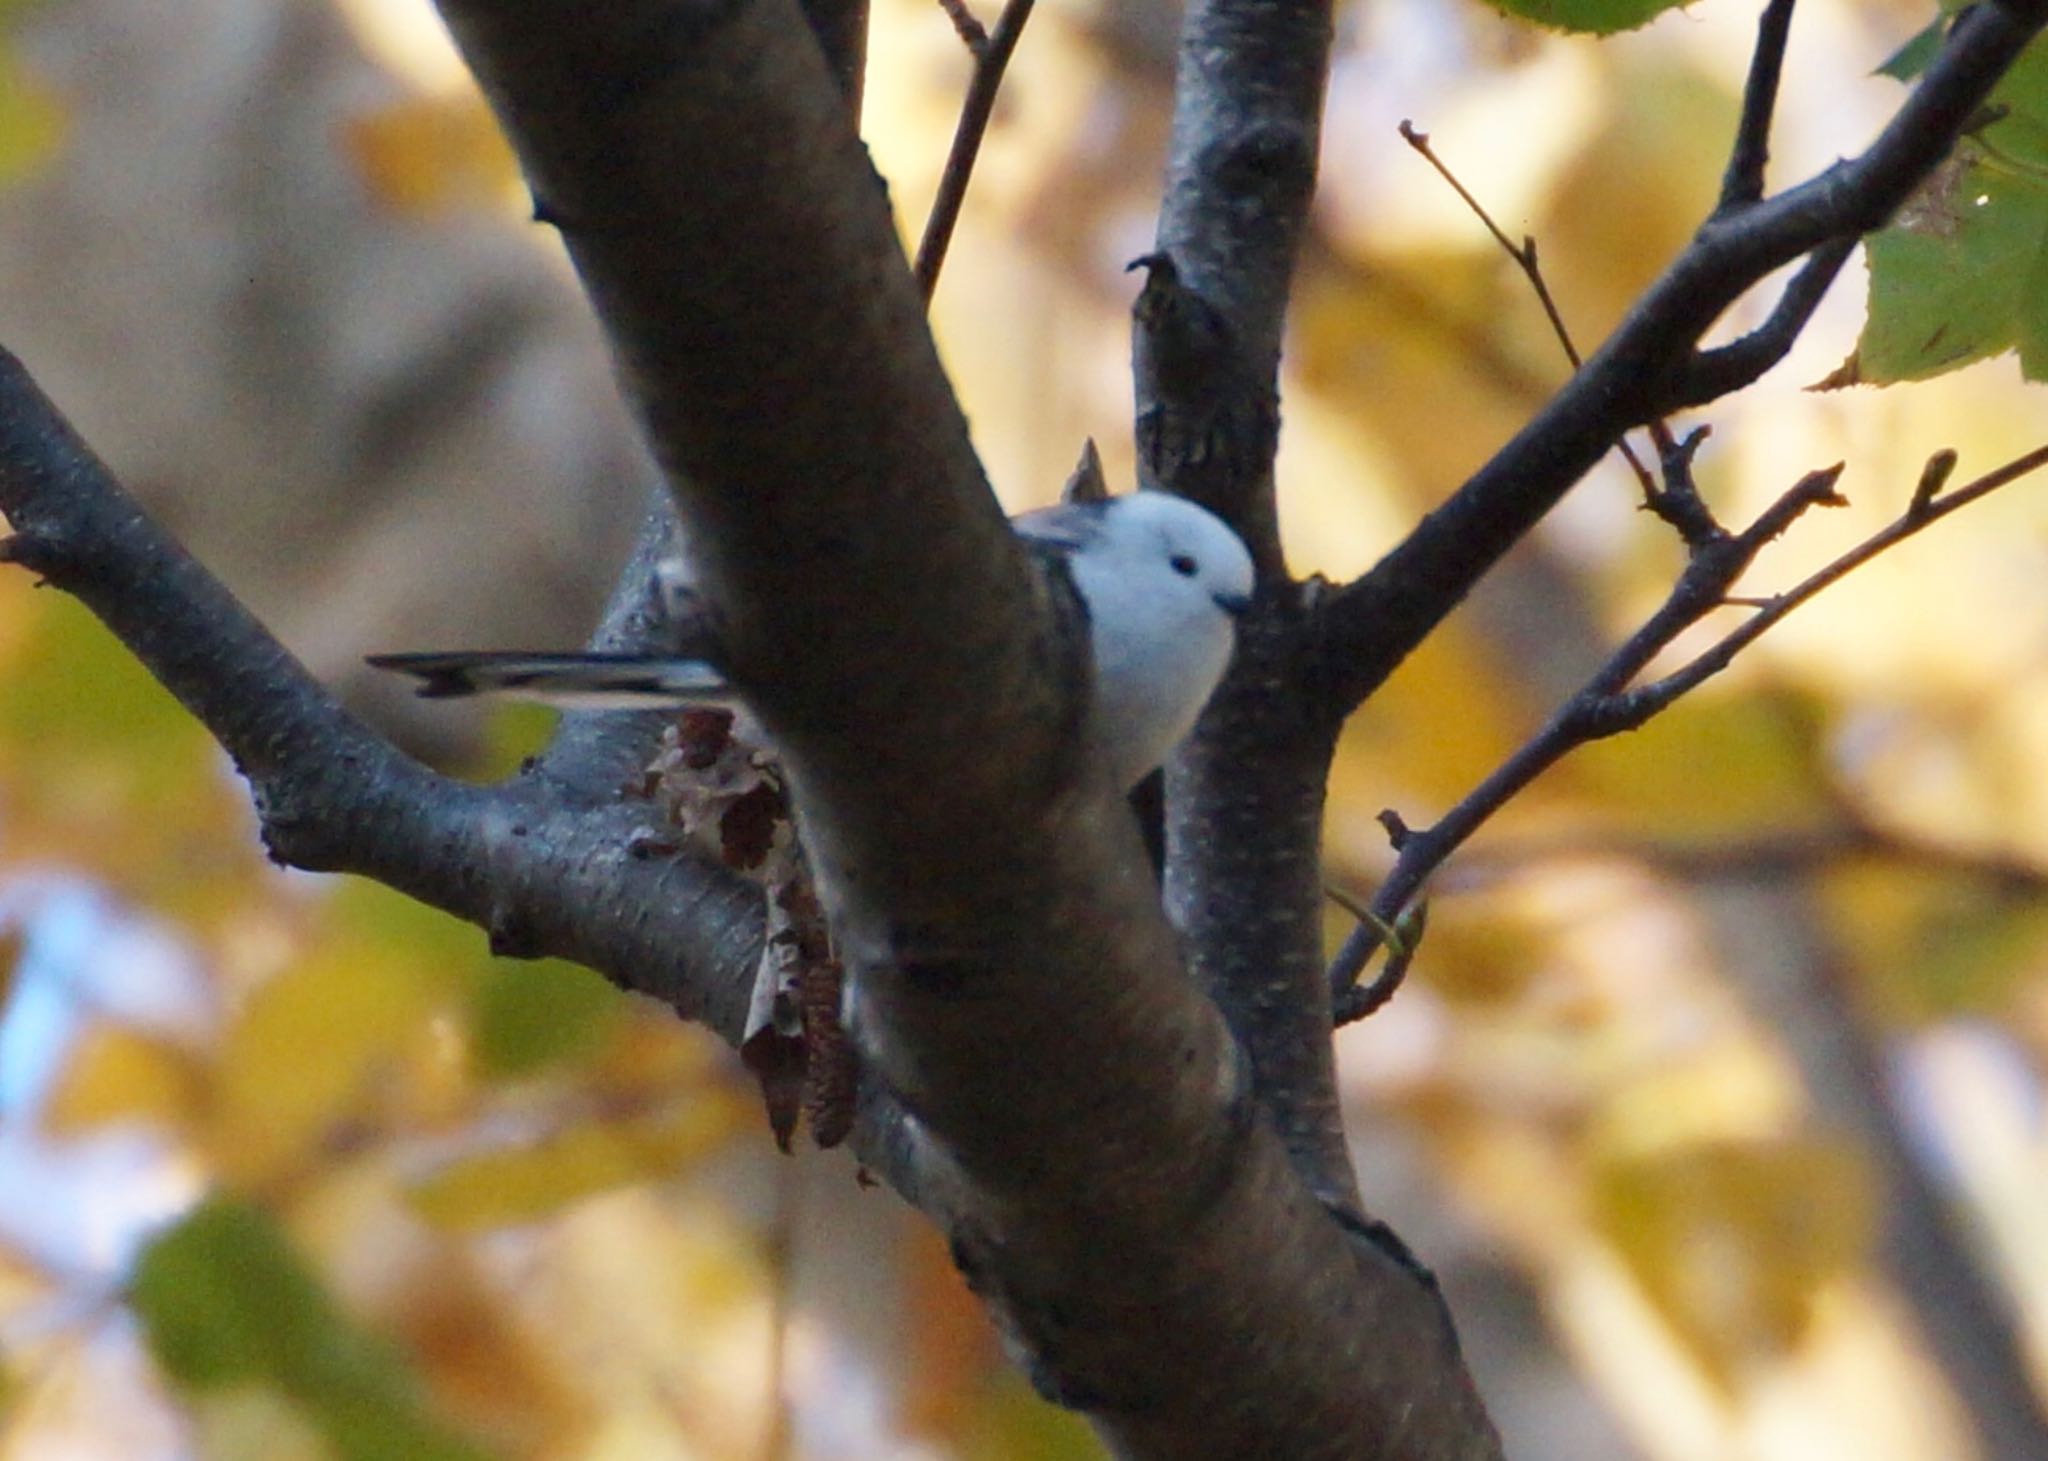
point(1233, 604)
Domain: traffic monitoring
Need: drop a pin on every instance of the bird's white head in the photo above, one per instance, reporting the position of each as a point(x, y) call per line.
point(1164, 581)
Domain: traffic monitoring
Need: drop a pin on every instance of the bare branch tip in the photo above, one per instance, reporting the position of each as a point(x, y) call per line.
point(1817, 488)
point(1678, 456)
point(972, 33)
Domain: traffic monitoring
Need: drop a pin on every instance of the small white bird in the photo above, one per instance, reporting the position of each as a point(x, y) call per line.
point(1162, 582)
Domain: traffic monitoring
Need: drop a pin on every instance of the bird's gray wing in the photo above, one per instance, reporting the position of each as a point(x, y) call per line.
point(1068, 527)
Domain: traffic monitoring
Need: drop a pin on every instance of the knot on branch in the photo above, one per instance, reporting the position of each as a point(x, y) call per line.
point(1208, 424)
point(1267, 170)
point(39, 553)
point(291, 823)
point(1678, 501)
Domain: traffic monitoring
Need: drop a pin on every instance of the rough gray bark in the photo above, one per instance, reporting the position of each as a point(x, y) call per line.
point(1149, 1184)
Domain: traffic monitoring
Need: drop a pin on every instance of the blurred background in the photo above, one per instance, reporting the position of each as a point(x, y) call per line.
point(1715, 1095)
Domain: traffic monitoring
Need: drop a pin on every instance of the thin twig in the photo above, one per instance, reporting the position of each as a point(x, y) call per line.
point(1643, 369)
point(1524, 256)
point(1744, 181)
point(332, 795)
point(1714, 373)
point(1678, 501)
point(1606, 705)
point(991, 60)
point(970, 30)
point(1716, 659)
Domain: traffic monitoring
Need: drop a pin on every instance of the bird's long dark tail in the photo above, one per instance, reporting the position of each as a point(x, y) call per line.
point(574, 681)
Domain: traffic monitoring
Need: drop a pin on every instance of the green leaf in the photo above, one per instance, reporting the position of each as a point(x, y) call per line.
point(1957, 278)
point(74, 684)
point(1909, 60)
point(1010, 1420)
point(1592, 17)
point(1961, 273)
point(530, 1016)
point(225, 1301)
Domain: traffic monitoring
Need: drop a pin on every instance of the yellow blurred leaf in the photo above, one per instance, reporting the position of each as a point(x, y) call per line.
point(349, 1035)
point(1732, 1243)
point(429, 154)
point(651, 1051)
point(1711, 763)
point(1406, 747)
point(1398, 362)
point(1605, 235)
point(487, 1372)
point(1929, 944)
point(516, 1185)
point(1011, 1420)
point(103, 769)
point(117, 1074)
point(34, 120)
point(1716, 1091)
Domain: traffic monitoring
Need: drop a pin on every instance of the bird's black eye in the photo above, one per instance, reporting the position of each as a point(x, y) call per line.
point(1183, 565)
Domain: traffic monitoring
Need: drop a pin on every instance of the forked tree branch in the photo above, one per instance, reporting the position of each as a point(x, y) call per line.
point(1743, 183)
point(1244, 797)
point(1651, 365)
point(1168, 1227)
point(1608, 706)
point(992, 51)
point(593, 752)
point(1082, 1123)
point(535, 863)
point(841, 28)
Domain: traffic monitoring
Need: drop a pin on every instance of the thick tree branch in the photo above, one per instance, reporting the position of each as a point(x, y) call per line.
point(1649, 365)
point(780, 360)
point(1248, 101)
point(841, 27)
point(1744, 182)
point(1141, 1231)
point(548, 873)
point(593, 752)
point(1244, 798)
point(544, 874)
